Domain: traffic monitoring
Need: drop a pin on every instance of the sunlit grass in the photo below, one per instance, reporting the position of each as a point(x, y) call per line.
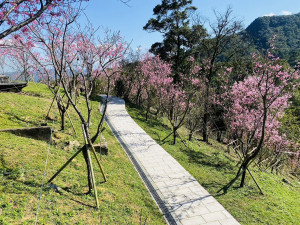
point(123, 199)
point(214, 168)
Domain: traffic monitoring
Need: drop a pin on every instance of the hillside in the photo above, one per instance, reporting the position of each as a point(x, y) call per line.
point(287, 31)
point(213, 167)
point(124, 199)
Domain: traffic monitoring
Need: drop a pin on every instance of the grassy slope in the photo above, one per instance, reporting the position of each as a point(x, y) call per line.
point(22, 162)
point(214, 169)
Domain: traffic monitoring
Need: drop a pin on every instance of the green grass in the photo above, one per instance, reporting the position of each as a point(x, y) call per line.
point(123, 198)
point(213, 168)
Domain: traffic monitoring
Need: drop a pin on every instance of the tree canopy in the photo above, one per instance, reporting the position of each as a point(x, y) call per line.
point(172, 20)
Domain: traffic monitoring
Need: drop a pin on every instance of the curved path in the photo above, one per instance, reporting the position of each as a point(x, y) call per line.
point(179, 196)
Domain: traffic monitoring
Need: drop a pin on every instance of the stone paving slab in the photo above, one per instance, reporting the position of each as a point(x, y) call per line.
point(179, 196)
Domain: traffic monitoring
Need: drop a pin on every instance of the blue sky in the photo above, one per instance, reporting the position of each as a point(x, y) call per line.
point(130, 20)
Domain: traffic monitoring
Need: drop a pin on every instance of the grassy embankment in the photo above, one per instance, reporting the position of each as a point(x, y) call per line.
point(123, 199)
point(214, 168)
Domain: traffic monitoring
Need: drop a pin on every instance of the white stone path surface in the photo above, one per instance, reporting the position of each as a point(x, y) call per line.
point(180, 197)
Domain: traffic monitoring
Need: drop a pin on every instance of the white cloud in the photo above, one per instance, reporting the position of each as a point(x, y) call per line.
point(270, 14)
point(285, 12)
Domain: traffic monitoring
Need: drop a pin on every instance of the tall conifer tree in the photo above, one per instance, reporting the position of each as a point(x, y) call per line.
point(172, 20)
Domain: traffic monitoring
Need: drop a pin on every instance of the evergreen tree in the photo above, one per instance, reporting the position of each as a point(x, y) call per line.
point(172, 20)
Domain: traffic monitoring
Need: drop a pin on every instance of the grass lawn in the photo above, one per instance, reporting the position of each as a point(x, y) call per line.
point(123, 199)
point(214, 168)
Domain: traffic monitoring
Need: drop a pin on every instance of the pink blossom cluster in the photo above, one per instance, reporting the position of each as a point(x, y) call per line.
point(267, 90)
point(15, 12)
point(155, 78)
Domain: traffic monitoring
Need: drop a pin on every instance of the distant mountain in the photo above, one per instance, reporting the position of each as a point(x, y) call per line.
point(12, 75)
point(287, 30)
point(19, 77)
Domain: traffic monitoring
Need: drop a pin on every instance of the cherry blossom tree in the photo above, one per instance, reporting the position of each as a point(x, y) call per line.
point(55, 49)
point(209, 54)
point(126, 83)
point(195, 84)
point(156, 77)
point(99, 58)
point(254, 107)
point(156, 89)
point(18, 57)
point(70, 58)
point(17, 14)
point(176, 103)
point(179, 99)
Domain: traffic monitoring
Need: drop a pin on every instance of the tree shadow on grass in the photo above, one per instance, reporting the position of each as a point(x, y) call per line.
point(71, 191)
point(220, 188)
point(198, 157)
point(215, 161)
point(223, 190)
point(21, 186)
point(79, 194)
point(13, 118)
point(82, 203)
point(31, 186)
point(96, 98)
point(152, 122)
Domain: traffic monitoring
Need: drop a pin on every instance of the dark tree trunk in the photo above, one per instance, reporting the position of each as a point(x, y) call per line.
point(206, 108)
point(88, 165)
point(148, 111)
point(87, 159)
point(259, 147)
point(219, 135)
point(62, 111)
point(62, 126)
point(204, 131)
point(190, 135)
point(243, 176)
point(174, 136)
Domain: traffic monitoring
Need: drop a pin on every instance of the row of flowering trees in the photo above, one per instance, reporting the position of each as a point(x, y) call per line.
point(220, 88)
point(250, 106)
point(69, 58)
point(154, 89)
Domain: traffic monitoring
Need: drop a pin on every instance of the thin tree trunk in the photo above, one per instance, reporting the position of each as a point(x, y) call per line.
point(243, 177)
point(219, 135)
point(204, 131)
point(147, 113)
point(190, 135)
point(174, 136)
point(206, 114)
point(62, 126)
point(88, 165)
point(255, 153)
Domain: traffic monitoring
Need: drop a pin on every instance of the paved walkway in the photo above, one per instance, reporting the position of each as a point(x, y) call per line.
point(179, 196)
